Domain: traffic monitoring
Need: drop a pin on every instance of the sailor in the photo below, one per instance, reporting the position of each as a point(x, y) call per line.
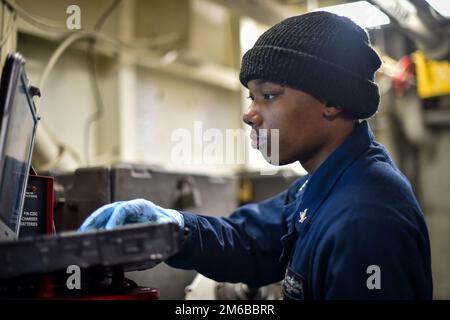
point(352, 227)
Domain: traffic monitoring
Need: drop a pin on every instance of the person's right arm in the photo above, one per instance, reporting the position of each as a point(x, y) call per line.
point(245, 247)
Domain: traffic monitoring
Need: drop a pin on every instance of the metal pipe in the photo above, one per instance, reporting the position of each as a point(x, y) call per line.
point(422, 26)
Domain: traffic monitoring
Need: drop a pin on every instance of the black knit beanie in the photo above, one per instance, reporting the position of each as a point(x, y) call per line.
point(320, 53)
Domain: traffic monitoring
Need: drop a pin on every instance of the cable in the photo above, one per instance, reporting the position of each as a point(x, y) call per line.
point(4, 8)
point(52, 26)
point(38, 22)
point(9, 28)
point(100, 106)
point(109, 10)
point(57, 54)
point(72, 37)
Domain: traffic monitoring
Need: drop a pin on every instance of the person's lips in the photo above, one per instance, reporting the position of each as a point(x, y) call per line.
point(256, 140)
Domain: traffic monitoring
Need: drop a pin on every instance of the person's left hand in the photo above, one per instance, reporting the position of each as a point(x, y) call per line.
point(123, 212)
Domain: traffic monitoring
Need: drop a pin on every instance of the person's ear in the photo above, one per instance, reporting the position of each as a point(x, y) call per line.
point(331, 112)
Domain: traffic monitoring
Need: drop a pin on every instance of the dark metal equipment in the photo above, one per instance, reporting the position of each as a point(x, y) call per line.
point(79, 193)
point(31, 259)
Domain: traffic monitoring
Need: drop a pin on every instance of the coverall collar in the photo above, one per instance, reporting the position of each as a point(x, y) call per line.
point(324, 178)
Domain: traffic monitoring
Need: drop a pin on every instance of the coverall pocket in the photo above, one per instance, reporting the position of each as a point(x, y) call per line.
point(293, 286)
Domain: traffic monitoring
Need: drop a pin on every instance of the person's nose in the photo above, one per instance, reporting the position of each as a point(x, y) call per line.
point(252, 117)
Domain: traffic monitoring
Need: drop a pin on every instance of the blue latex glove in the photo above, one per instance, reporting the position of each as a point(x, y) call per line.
point(133, 211)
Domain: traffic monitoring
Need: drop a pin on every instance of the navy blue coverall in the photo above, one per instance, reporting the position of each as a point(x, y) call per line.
point(354, 230)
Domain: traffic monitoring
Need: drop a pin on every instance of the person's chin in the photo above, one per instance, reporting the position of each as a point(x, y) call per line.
point(279, 160)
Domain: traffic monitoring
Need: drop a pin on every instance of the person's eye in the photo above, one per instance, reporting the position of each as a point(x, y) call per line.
point(250, 97)
point(268, 96)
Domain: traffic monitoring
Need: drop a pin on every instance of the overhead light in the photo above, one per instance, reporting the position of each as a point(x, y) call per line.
point(441, 6)
point(361, 12)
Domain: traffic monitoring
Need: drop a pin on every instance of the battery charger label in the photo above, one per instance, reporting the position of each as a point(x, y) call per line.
point(33, 220)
